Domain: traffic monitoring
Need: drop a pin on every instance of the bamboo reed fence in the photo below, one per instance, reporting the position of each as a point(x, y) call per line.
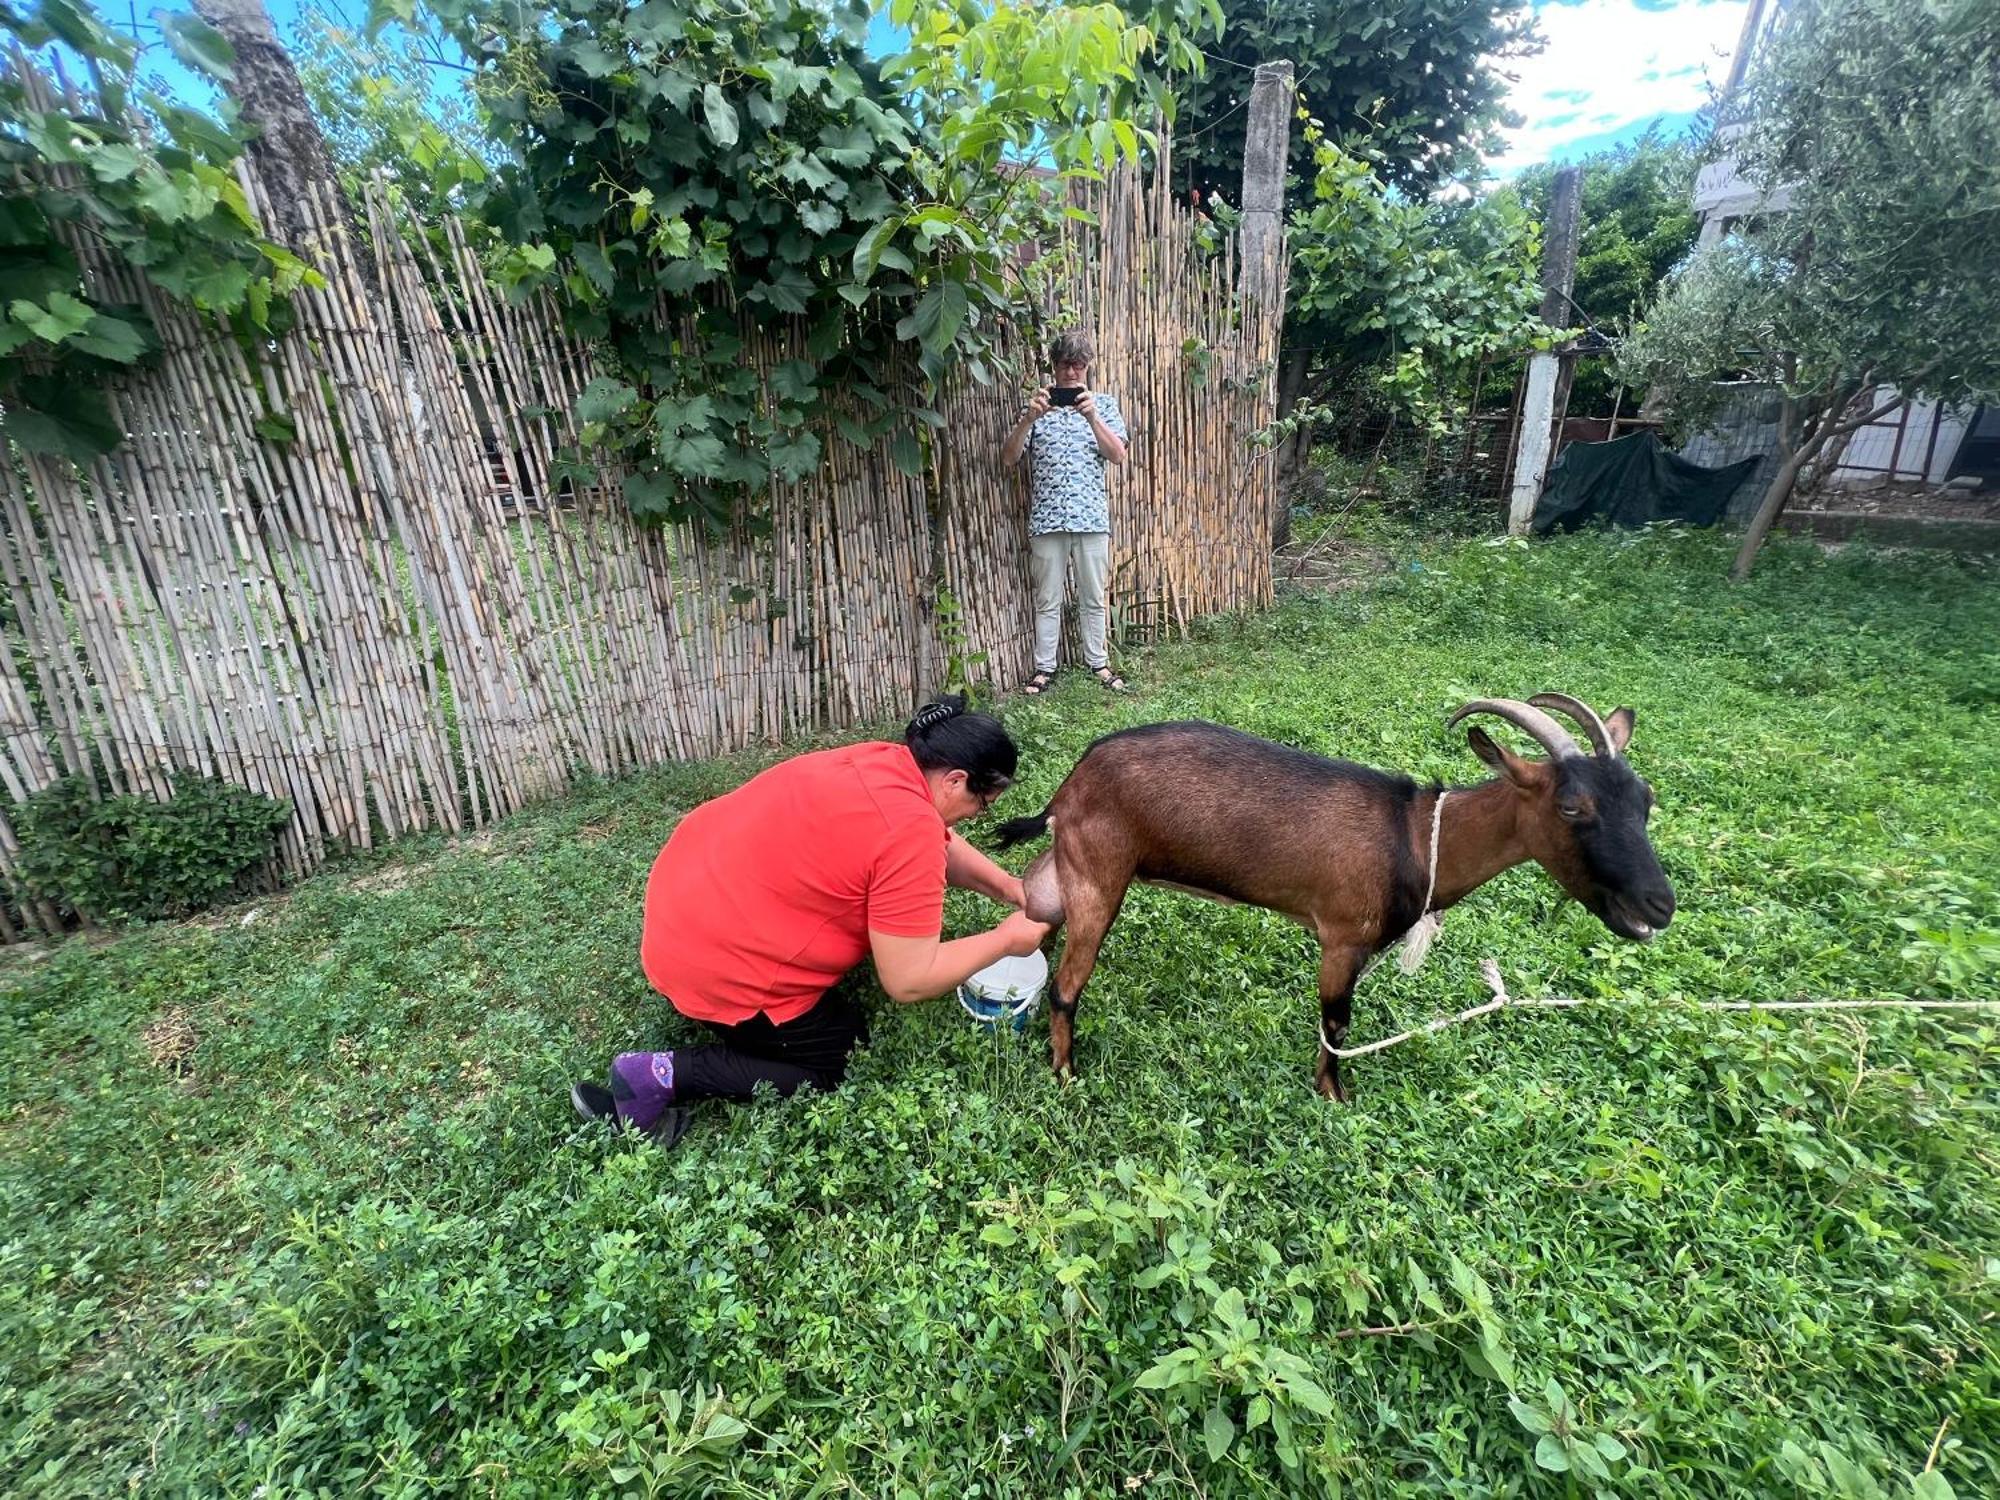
point(403, 618)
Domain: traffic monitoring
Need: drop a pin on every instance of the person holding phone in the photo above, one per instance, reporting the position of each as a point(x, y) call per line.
point(1070, 436)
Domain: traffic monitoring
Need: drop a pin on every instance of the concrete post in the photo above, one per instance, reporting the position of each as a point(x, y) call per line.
point(1537, 417)
point(1267, 139)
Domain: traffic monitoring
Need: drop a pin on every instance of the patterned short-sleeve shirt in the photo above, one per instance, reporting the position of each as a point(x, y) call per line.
point(1066, 472)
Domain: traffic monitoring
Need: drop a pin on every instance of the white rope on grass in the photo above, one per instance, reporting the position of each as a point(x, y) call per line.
point(1490, 972)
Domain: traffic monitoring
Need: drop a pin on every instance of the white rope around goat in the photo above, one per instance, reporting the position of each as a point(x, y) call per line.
point(1423, 932)
point(1490, 972)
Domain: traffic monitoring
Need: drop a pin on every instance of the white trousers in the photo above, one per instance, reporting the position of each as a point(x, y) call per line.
point(1049, 559)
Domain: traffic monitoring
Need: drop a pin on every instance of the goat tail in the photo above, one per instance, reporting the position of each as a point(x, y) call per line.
point(1020, 830)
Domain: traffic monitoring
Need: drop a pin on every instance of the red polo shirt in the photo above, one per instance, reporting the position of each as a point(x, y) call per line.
point(764, 897)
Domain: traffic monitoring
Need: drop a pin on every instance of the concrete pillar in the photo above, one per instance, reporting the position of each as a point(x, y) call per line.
point(1536, 438)
point(1538, 416)
point(1267, 139)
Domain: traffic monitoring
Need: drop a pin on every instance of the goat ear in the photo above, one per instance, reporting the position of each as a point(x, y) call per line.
point(1498, 757)
point(1620, 725)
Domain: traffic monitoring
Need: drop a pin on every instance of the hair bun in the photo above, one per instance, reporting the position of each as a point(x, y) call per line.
point(933, 714)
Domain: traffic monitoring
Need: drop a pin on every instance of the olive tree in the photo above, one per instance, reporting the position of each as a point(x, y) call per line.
point(1878, 118)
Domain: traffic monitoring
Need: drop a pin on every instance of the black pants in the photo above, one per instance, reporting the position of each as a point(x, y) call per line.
point(808, 1049)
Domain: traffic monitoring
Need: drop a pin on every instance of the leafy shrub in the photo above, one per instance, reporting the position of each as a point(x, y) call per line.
point(129, 858)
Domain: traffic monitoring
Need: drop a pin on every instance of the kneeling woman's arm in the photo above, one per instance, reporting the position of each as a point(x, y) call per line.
point(913, 969)
point(969, 870)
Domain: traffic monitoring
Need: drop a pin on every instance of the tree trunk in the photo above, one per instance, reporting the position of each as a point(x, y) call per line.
point(1797, 455)
point(1828, 432)
point(288, 152)
point(1295, 450)
point(1783, 483)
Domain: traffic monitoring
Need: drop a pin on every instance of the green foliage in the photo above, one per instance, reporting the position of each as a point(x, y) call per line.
point(147, 178)
point(956, 642)
point(129, 858)
point(687, 172)
point(1419, 83)
point(380, 1257)
point(1411, 286)
point(1393, 101)
point(373, 97)
point(1636, 224)
point(1720, 316)
point(1874, 116)
point(1039, 82)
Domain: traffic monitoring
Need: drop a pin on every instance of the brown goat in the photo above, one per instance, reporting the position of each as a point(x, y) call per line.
point(1343, 849)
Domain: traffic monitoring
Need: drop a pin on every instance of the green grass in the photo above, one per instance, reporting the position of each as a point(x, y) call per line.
point(298, 1202)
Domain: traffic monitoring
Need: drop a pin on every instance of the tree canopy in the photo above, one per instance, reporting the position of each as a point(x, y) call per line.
point(1637, 221)
point(680, 166)
point(375, 97)
point(1414, 85)
point(141, 176)
point(1878, 119)
point(1409, 283)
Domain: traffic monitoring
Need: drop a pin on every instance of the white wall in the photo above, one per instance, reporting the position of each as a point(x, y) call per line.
point(1871, 450)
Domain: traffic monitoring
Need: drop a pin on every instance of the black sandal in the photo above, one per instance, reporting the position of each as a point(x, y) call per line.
point(595, 1102)
point(1109, 680)
point(1038, 684)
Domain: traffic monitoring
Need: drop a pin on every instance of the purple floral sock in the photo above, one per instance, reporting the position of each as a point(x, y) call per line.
point(642, 1085)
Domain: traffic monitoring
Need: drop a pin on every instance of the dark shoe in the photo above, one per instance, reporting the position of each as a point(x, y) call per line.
point(593, 1101)
point(670, 1127)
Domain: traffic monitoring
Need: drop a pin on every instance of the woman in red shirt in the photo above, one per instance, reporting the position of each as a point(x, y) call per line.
point(764, 898)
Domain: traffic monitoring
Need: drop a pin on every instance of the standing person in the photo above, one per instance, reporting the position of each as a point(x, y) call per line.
point(764, 898)
point(1070, 435)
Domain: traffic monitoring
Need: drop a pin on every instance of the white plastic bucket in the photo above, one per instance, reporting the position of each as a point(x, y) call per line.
point(1006, 990)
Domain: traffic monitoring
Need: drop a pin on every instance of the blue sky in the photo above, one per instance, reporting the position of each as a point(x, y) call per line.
point(1611, 67)
point(1608, 70)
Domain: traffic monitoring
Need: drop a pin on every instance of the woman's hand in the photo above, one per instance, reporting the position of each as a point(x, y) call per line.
point(913, 969)
point(1037, 407)
point(1022, 934)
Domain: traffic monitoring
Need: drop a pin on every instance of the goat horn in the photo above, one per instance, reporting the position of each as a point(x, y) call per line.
point(1552, 736)
point(1584, 715)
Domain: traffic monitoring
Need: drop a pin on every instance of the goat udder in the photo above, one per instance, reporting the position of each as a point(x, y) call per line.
point(1043, 889)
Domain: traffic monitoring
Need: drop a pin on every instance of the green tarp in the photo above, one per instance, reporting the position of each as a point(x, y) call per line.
point(1632, 481)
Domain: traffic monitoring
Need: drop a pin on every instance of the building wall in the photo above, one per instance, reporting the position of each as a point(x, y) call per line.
point(1915, 442)
point(1748, 426)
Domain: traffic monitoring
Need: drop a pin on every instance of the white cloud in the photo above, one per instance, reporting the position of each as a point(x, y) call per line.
point(1613, 65)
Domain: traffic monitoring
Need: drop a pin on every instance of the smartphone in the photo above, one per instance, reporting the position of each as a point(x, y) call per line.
point(1064, 395)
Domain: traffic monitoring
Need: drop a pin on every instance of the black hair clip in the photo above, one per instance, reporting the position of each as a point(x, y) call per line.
point(933, 714)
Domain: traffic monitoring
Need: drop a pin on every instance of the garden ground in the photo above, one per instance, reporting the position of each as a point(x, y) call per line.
point(294, 1203)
